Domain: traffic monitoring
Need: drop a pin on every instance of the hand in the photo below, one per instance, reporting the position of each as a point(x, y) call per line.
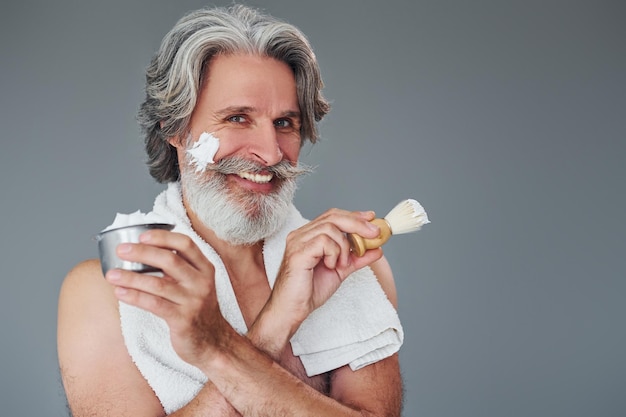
point(184, 297)
point(316, 261)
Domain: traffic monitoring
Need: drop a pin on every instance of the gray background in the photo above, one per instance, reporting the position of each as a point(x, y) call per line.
point(505, 119)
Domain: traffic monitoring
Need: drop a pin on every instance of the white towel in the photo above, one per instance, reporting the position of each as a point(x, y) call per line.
point(356, 326)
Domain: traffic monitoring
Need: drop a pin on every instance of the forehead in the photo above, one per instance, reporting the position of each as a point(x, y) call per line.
point(249, 80)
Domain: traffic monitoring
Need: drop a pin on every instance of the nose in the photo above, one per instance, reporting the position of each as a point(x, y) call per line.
point(264, 147)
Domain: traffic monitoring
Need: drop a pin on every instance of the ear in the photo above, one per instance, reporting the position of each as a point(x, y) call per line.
point(172, 140)
point(175, 142)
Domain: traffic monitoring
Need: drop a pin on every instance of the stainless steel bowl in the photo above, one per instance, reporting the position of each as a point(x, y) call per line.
point(110, 239)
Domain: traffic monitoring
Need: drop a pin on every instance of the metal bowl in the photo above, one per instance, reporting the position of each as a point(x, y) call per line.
point(108, 241)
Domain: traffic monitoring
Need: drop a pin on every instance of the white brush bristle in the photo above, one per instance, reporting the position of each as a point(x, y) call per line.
point(407, 216)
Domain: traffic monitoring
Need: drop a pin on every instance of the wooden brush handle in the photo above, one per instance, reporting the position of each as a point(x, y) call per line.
point(360, 244)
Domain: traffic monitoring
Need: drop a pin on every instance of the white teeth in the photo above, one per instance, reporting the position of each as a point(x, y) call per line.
point(258, 178)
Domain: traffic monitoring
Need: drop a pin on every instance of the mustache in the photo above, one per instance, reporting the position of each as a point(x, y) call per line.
point(283, 170)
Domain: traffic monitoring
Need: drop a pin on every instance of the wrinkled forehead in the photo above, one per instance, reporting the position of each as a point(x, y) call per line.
point(249, 81)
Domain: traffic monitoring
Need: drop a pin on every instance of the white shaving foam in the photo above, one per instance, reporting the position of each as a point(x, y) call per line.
point(203, 151)
point(132, 219)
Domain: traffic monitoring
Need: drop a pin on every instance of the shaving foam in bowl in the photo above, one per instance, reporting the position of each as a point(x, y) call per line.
point(126, 229)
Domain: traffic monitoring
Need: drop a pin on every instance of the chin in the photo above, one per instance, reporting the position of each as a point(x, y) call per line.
point(239, 216)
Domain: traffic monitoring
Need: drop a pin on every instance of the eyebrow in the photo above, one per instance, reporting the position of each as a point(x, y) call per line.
point(292, 113)
point(234, 109)
point(248, 109)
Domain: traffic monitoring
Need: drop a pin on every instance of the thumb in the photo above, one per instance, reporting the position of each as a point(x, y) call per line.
point(358, 262)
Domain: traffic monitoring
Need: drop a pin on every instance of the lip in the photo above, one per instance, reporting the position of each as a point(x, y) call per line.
point(257, 178)
point(260, 187)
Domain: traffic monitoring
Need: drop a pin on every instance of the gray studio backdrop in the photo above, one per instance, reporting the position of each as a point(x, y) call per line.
point(505, 119)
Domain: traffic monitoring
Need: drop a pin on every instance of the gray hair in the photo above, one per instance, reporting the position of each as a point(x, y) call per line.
point(176, 72)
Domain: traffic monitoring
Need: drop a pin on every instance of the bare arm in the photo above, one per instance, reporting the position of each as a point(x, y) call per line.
point(375, 390)
point(100, 378)
point(316, 261)
point(98, 374)
point(245, 371)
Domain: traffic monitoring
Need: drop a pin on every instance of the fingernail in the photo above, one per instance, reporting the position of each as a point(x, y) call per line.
point(114, 274)
point(123, 248)
point(145, 237)
point(373, 227)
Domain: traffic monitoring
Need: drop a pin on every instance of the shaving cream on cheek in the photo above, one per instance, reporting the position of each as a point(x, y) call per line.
point(203, 151)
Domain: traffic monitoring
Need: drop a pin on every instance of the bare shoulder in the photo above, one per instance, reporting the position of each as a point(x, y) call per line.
point(87, 308)
point(375, 389)
point(85, 299)
point(383, 272)
point(98, 374)
point(85, 279)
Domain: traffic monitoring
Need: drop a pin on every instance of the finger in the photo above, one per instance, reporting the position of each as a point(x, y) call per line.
point(351, 222)
point(158, 306)
point(307, 254)
point(325, 241)
point(161, 287)
point(182, 244)
point(366, 215)
point(171, 263)
point(132, 295)
point(356, 262)
point(345, 222)
point(332, 252)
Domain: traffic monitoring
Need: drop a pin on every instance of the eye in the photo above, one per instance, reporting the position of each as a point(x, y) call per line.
point(283, 123)
point(237, 119)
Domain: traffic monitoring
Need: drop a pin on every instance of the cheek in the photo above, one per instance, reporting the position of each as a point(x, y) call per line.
point(228, 149)
point(232, 143)
point(202, 152)
point(233, 146)
point(290, 150)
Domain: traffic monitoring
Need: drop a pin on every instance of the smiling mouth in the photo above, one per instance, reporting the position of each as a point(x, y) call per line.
point(256, 178)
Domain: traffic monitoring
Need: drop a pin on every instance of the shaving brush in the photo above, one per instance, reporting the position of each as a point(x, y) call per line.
point(407, 216)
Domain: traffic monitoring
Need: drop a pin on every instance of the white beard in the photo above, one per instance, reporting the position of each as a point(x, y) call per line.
point(239, 217)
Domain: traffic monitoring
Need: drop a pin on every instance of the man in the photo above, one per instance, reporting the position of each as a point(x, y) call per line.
point(247, 285)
